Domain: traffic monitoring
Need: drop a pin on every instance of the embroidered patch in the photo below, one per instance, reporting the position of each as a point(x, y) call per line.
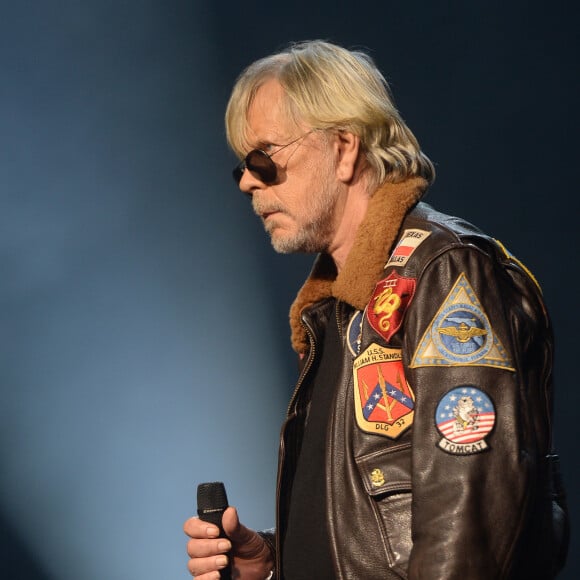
point(410, 241)
point(460, 334)
point(388, 304)
point(384, 401)
point(354, 333)
point(464, 416)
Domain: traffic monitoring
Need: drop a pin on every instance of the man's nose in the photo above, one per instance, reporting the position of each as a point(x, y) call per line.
point(250, 182)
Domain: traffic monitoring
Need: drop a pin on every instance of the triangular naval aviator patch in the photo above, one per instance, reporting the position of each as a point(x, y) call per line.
point(460, 334)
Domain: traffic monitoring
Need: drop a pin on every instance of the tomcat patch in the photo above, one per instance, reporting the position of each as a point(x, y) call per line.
point(465, 416)
point(384, 402)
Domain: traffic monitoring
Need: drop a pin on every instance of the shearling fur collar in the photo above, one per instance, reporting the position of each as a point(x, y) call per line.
point(365, 262)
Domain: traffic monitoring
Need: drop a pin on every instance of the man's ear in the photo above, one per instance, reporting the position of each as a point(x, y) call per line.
point(347, 146)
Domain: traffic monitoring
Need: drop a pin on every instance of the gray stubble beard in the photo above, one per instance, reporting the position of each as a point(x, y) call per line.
point(317, 233)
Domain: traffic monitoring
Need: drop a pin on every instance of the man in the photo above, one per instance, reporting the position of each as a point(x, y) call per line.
point(417, 442)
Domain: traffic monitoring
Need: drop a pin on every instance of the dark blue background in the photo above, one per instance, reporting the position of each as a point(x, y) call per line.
point(143, 315)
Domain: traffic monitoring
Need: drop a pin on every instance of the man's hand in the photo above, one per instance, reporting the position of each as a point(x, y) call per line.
point(252, 559)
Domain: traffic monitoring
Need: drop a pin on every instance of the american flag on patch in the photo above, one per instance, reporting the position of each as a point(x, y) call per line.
point(454, 430)
point(465, 415)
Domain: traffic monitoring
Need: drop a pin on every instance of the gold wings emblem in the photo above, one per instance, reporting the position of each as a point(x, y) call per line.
point(462, 332)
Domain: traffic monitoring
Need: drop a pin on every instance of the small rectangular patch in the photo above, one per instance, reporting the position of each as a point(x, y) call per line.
point(410, 241)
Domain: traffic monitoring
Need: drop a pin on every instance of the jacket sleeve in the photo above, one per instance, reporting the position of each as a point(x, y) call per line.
point(478, 356)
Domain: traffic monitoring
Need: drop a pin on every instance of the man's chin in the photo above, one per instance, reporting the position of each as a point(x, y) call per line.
point(282, 245)
point(295, 245)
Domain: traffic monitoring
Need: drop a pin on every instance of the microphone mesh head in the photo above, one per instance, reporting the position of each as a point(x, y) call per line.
point(211, 496)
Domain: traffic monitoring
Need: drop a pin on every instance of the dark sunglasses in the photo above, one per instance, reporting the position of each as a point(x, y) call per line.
point(259, 162)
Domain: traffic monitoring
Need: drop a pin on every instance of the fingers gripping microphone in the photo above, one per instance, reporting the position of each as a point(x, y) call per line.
point(212, 502)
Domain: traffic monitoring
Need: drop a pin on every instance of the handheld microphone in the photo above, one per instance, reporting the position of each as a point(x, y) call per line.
point(212, 502)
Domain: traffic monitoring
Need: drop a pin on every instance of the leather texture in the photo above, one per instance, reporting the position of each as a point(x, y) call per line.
point(497, 512)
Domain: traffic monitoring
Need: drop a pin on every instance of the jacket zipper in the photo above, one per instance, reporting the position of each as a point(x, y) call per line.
point(282, 450)
point(338, 320)
point(307, 366)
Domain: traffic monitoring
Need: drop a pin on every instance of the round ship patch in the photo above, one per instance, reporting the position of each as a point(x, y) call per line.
point(354, 333)
point(465, 416)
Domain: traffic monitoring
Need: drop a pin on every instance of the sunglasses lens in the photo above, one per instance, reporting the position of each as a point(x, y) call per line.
point(238, 172)
point(258, 162)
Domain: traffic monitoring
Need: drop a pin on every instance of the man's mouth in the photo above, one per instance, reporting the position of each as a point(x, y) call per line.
point(265, 212)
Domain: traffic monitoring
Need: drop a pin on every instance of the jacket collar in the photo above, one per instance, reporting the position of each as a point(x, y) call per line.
point(365, 262)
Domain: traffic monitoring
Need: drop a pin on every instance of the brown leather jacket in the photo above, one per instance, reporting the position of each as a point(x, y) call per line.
point(439, 454)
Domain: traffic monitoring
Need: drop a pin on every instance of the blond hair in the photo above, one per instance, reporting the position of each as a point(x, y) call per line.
point(331, 88)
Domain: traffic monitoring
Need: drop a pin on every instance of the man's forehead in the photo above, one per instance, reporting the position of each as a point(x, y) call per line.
point(267, 116)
